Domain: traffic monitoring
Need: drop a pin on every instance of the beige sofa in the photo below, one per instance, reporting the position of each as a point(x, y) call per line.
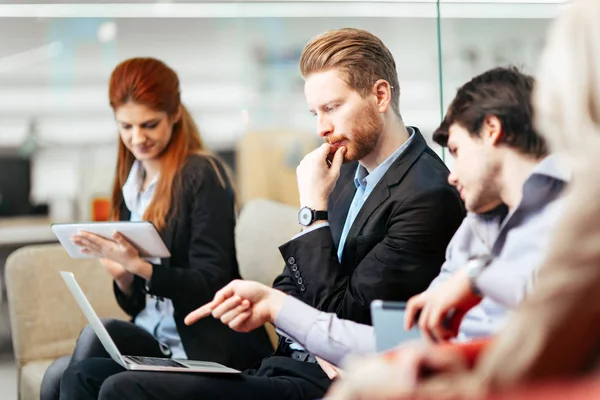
point(45, 320)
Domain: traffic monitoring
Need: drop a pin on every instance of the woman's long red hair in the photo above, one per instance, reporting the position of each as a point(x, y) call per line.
point(152, 83)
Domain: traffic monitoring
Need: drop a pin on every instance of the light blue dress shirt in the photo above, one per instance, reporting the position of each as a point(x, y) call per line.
point(157, 317)
point(365, 183)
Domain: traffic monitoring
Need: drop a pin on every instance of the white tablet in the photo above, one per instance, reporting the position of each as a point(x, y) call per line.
point(142, 235)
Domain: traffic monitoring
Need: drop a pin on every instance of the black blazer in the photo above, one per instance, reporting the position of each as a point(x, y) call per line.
point(200, 237)
point(395, 247)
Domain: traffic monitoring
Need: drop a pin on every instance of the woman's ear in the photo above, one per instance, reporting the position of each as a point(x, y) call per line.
point(177, 117)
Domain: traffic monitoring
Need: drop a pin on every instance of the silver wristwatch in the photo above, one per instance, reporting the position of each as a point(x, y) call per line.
point(475, 266)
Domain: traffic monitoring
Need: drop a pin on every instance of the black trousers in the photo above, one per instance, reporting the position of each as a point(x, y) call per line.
point(277, 378)
point(129, 338)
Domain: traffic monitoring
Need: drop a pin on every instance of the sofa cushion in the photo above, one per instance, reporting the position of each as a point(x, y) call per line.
point(262, 227)
point(31, 379)
point(45, 319)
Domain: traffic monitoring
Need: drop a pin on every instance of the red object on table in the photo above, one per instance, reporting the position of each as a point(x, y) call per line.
point(100, 209)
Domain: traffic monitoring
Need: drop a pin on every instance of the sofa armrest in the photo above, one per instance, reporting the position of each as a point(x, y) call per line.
point(45, 319)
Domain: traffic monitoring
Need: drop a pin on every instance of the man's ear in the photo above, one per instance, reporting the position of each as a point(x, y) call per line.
point(383, 93)
point(491, 130)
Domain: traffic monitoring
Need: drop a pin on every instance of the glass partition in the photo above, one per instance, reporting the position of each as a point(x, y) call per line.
point(238, 64)
point(478, 35)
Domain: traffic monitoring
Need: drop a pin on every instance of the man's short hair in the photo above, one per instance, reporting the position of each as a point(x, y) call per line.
point(505, 93)
point(360, 57)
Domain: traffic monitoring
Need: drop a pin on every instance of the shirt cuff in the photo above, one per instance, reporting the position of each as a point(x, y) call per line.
point(312, 228)
point(296, 319)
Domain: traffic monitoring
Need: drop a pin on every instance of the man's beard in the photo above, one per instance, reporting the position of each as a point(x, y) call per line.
point(488, 192)
point(365, 134)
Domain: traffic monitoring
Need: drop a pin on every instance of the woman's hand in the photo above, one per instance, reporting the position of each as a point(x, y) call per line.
point(115, 269)
point(122, 277)
point(118, 250)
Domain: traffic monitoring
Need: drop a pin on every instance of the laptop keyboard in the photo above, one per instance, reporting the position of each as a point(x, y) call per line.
point(156, 362)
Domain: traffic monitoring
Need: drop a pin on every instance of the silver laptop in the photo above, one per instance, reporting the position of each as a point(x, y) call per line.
point(134, 362)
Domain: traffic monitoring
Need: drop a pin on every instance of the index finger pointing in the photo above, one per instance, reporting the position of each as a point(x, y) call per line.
point(198, 314)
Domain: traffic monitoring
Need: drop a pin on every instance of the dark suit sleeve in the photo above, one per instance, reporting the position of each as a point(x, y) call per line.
point(136, 301)
point(401, 265)
point(211, 249)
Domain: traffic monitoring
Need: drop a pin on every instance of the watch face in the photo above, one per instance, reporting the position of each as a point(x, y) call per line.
point(305, 216)
point(476, 266)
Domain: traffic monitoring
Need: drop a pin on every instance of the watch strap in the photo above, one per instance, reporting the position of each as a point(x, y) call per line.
point(319, 215)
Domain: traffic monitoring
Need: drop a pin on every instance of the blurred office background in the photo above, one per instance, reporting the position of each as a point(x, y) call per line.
point(238, 65)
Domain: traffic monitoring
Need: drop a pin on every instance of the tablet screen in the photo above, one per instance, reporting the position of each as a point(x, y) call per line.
point(388, 321)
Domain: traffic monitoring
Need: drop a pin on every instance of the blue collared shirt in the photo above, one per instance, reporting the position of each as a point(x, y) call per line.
point(365, 183)
point(157, 317)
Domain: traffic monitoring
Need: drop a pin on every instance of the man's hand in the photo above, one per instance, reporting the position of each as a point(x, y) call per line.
point(395, 375)
point(442, 308)
point(316, 179)
point(331, 370)
point(243, 305)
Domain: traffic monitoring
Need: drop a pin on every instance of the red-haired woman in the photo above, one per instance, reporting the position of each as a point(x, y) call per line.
point(165, 176)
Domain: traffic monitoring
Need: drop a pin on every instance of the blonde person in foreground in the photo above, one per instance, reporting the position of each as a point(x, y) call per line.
point(555, 333)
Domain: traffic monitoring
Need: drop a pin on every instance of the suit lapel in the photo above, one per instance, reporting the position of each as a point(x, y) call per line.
point(124, 213)
point(341, 200)
point(167, 234)
point(381, 192)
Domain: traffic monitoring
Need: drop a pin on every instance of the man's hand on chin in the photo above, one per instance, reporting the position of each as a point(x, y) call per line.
point(316, 178)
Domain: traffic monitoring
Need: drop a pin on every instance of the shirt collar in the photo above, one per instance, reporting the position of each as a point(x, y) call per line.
point(543, 185)
point(133, 185)
point(552, 167)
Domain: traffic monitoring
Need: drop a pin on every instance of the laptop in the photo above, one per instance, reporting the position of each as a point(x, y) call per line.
point(135, 363)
